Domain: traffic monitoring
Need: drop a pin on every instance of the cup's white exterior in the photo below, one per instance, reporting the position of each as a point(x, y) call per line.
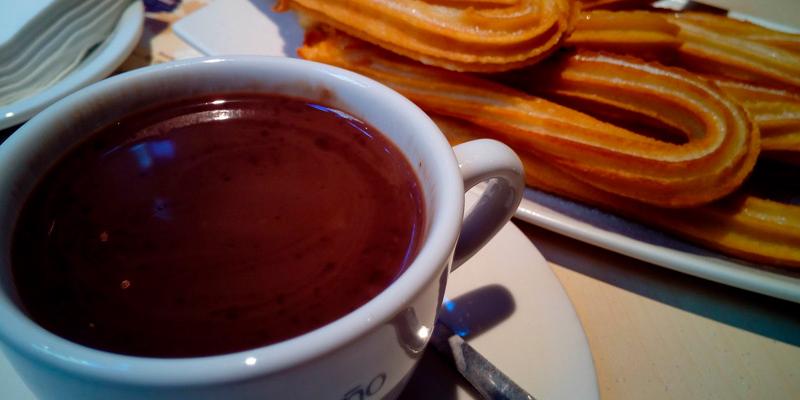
point(364, 355)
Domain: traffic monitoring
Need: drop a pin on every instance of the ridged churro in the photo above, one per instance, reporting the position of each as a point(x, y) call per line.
point(721, 142)
point(758, 67)
point(656, 116)
point(742, 224)
point(641, 33)
point(710, 44)
point(775, 111)
point(478, 36)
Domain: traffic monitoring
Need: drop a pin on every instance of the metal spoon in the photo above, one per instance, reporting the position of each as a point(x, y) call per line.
point(489, 381)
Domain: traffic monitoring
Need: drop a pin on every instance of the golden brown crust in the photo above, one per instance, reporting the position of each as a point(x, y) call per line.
point(477, 36)
point(742, 30)
point(645, 34)
point(706, 43)
point(758, 67)
point(721, 147)
point(775, 111)
point(707, 49)
point(742, 225)
point(710, 126)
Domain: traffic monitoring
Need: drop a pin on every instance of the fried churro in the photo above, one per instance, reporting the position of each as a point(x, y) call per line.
point(460, 35)
point(742, 224)
point(721, 142)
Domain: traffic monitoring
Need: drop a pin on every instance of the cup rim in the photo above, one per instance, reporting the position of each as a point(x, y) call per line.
point(26, 337)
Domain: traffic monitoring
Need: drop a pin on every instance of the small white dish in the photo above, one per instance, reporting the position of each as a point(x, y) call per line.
point(18, 15)
point(39, 41)
point(538, 344)
point(100, 63)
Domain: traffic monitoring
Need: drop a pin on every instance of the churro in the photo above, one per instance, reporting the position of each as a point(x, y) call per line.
point(479, 36)
point(721, 142)
point(742, 224)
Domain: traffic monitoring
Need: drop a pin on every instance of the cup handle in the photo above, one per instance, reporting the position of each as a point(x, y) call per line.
point(484, 160)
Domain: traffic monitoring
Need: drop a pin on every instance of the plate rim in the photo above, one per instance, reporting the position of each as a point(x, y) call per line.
point(725, 270)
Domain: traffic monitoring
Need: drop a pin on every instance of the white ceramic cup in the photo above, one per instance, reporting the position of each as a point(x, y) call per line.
point(367, 354)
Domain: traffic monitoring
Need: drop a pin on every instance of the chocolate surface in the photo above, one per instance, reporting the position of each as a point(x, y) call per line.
point(215, 224)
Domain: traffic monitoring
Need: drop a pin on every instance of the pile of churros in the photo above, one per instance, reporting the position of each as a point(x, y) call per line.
point(655, 115)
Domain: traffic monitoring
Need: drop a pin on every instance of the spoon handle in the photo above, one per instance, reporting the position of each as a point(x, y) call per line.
point(489, 381)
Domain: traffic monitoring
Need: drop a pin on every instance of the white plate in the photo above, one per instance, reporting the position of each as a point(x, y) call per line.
point(617, 234)
point(623, 236)
point(100, 63)
point(531, 331)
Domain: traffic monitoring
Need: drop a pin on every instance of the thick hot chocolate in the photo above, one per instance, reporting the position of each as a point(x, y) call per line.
point(215, 224)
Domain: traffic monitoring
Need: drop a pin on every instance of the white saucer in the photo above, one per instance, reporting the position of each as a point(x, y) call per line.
point(539, 343)
point(100, 63)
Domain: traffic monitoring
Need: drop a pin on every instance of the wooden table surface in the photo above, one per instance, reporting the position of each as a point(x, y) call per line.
point(659, 334)
point(653, 333)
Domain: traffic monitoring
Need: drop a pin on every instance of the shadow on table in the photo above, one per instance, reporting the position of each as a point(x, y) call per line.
point(760, 314)
point(478, 310)
point(436, 379)
point(469, 315)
